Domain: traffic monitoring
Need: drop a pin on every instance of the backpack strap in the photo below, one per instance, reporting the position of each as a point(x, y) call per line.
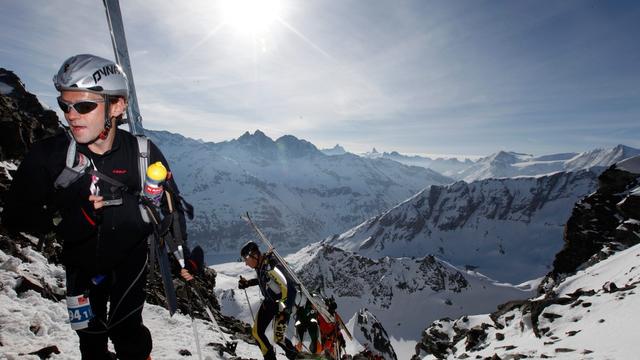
point(143, 163)
point(143, 157)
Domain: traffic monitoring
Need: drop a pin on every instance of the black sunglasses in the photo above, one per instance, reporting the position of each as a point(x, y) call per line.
point(81, 107)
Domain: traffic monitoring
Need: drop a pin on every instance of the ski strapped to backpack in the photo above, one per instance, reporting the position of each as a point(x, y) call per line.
point(318, 305)
point(119, 42)
point(166, 230)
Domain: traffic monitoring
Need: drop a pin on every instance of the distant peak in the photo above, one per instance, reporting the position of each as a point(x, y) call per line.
point(625, 148)
point(256, 136)
point(336, 150)
point(296, 147)
point(507, 157)
point(374, 151)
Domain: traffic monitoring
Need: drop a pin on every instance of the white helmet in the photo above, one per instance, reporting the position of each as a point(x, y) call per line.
point(92, 73)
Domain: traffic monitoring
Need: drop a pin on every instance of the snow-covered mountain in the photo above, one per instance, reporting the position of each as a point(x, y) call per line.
point(450, 166)
point(511, 164)
point(394, 290)
point(292, 189)
point(336, 150)
point(508, 229)
point(588, 304)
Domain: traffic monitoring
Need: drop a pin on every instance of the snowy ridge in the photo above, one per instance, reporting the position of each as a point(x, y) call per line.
point(504, 164)
point(293, 190)
point(509, 229)
point(450, 166)
point(510, 164)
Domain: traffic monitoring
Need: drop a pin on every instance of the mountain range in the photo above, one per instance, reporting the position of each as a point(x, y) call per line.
point(508, 229)
point(292, 189)
point(510, 164)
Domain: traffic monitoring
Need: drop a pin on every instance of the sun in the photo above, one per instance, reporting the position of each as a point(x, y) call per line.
point(252, 17)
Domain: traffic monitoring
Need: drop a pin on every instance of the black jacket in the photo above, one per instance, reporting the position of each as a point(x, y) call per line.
point(93, 240)
point(275, 283)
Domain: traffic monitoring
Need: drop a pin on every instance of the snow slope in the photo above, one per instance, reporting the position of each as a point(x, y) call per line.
point(30, 322)
point(590, 320)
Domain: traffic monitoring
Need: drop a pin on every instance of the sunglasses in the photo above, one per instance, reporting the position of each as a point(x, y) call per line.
point(81, 107)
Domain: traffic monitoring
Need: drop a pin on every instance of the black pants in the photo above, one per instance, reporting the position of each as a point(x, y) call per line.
point(124, 288)
point(267, 312)
point(311, 326)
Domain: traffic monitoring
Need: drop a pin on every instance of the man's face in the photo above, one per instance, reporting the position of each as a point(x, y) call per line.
point(84, 127)
point(251, 260)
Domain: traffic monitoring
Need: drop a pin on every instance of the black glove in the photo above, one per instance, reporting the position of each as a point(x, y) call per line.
point(243, 283)
point(195, 261)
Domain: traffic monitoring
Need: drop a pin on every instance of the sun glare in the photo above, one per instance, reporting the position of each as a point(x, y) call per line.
point(250, 16)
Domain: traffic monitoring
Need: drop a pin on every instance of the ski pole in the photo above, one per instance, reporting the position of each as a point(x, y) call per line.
point(196, 337)
point(230, 346)
point(249, 304)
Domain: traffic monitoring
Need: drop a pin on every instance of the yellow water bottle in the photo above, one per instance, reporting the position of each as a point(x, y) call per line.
point(153, 190)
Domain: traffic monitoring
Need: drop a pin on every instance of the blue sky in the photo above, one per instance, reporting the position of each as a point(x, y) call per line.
point(444, 77)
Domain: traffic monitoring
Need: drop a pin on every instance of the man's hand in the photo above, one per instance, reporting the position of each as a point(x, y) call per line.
point(185, 274)
point(243, 283)
point(97, 201)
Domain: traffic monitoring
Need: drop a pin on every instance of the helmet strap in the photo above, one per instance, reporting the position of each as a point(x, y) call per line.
point(108, 123)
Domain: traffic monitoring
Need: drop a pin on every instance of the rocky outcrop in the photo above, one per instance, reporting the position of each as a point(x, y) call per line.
point(350, 275)
point(23, 120)
point(601, 222)
point(376, 340)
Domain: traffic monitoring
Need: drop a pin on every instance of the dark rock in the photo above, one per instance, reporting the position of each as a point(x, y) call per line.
point(475, 337)
point(609, 287)
point(595, 224)
point(551, 316)
point(499, 336)
point(46, 352)
point(564, 350)
point(184, 352)
point(35, 329)
point(23, 120)
point(26, 283)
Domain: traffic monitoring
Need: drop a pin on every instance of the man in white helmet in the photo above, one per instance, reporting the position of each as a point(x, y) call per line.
point(105, 246)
